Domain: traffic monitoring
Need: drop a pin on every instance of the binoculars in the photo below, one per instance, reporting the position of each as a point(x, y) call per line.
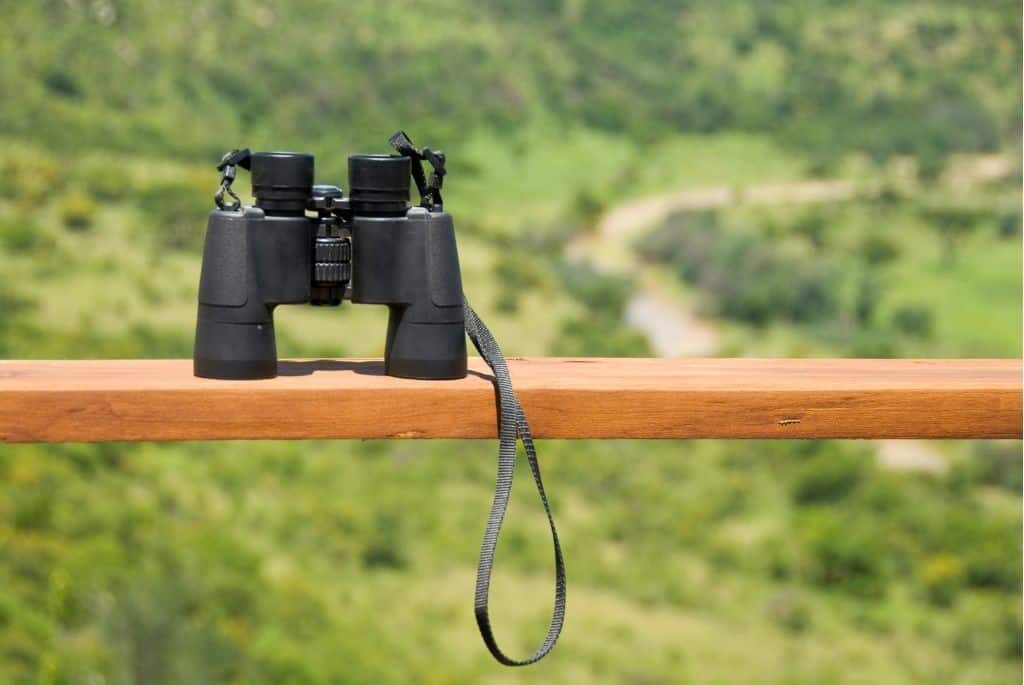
point(304, 243)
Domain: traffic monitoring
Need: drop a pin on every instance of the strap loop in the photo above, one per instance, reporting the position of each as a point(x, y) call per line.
point(512, 427)
point(227, 176)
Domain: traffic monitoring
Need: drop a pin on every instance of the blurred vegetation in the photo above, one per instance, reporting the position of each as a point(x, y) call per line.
point(697, 562)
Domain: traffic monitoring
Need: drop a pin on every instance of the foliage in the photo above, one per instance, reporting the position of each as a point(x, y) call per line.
point(942, 576)
point(843, 554)
point(1010, 225)
point(744, 278)
point(914, 320)
point(877, 249)
point(828, 476)
point(18, 233)
point(597, 332)
point(953, 223)
point(78, 211)
point(176, 212)
point(886, 78)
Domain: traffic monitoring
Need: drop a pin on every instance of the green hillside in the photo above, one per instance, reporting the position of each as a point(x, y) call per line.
point(880, 77)
point(688, 562)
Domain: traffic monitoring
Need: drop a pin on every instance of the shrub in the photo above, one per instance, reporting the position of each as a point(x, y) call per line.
point(104, 178)
point(517, 270)
point(813, 226)
point(828, 476)
point(989, 631)
point(1010, 225)
point(602, 294)
point(686, 239)
point(598, 337)
point(843, 554)
point(877, 249)
point(507, 301)
point(78, 211)
point(587, 206)
point(952, 223)
point(789, 610)
point(29, 177)
point(989, 546)
point(991, 564)
point(745, 277)
point(941, 578)
point(176, 213)
point(868, 293)
point(385, 549)
point(873, 344)
point(915, 320)
point(996, 463)
point(19, 233)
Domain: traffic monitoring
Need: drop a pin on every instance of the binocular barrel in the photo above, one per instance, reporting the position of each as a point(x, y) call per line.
point(386, 252)
point(282, 182)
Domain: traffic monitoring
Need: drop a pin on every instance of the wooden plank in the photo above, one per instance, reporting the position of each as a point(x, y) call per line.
point(70, 401)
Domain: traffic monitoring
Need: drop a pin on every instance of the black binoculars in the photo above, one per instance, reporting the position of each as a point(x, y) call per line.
point(306, 243)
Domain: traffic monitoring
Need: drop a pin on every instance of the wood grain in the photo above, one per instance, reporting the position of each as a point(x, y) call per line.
point(86, 401)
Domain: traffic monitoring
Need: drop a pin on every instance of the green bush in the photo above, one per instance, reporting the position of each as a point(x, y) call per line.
point(788, 609)
point(991, 558)
point(598, 337)
point(1010, 225)
point(507, 301)
point(175, 212)
point(829, 475)
point(19, 233)
point(78, 211)
point(600, 293)
point(941, 577)
point(873, 343)
point(914, 320)
point(587, 206)
point(600, 331)
point(876, 249)
point(952, 223)
point(843, 553)
point(685, 239)
point(813, 225)
point(104, 178)
point(30, 176)
point(385, 548)
point(743, 276)
point(989, 631)
point(869, 291)
point(994, 463)
point(516, 272)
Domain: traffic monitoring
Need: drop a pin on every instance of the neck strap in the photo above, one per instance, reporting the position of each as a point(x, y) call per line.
point(512, 426)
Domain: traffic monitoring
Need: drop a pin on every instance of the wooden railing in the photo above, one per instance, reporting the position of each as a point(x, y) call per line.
point(88, 401)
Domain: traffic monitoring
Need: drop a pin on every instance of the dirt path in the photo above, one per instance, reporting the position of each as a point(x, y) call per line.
point(671, 325)
point(672, 328)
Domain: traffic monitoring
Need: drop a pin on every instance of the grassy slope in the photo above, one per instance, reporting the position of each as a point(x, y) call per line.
point(294, 575)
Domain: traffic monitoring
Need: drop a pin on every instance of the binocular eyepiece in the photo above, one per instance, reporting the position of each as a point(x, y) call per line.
point(281, 181)
point(378, 184)
point(371, 247)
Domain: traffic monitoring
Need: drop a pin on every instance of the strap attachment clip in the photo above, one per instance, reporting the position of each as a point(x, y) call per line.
point(429, 188)
point(227, 171)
